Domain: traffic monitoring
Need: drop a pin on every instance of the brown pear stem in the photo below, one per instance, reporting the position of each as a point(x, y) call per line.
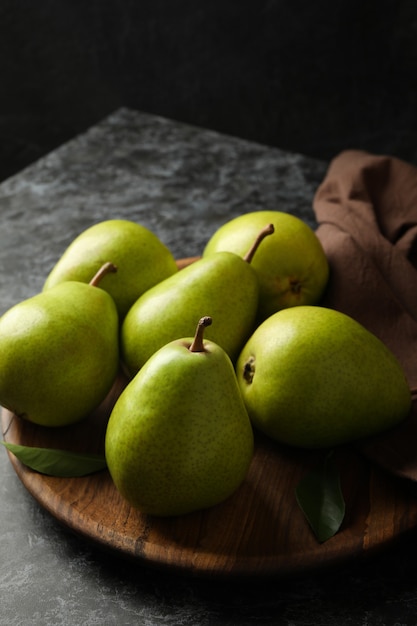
point(107, 268)
point(198, 345)
point(267, 230)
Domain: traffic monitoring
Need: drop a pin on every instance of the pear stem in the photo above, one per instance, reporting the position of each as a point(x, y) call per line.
point(107, 268)
point(267, 230)
point(197, 344)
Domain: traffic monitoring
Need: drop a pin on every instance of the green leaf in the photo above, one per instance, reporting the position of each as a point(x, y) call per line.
point(320, 497)
point(59, 463)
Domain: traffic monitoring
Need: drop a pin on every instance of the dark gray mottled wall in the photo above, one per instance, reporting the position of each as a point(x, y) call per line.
point(313, 77)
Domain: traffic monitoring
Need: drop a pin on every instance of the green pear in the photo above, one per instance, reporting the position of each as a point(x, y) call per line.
point(141, 258)
point(223, 283)
point(292, 266)
point(179, 438)
point(59, 352)
point(314, 377)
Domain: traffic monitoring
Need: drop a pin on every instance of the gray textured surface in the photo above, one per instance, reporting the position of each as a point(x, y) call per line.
point(177, 180)
point(182, 182)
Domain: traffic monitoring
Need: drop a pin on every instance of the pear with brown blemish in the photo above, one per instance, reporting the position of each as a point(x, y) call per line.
point(314, 377)
point(291, 266)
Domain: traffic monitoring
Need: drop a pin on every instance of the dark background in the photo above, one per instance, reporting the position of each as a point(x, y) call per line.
point(311, 77)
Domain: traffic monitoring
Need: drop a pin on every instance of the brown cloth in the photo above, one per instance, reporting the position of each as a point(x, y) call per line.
point(366, 209)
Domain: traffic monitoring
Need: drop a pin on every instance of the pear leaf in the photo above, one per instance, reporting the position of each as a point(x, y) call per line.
point(320, 498)
point(59, 463)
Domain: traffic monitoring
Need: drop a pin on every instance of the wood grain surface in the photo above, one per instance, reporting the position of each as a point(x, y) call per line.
point(258, 531)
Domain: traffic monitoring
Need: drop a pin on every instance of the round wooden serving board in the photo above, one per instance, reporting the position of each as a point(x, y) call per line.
point(260, 530)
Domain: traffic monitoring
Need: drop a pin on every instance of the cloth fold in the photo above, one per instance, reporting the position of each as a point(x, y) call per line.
point(366, 210)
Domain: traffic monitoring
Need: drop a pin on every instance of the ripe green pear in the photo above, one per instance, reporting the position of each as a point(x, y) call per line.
point(179, 438)
point(59, 353)
point(314, 377)
point(223, 283)
point(141, 258)
point(292, 267)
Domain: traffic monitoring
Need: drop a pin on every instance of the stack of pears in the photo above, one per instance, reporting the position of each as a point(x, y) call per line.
point(180, 436)
point(59, 349)
point(224, 284)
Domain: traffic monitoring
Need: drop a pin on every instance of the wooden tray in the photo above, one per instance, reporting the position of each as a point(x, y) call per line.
point(260, 530)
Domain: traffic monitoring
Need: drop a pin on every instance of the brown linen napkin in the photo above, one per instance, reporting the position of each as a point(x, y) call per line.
point(366, 209)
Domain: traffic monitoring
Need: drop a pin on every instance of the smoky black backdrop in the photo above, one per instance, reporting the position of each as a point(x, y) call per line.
point(311, 77)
